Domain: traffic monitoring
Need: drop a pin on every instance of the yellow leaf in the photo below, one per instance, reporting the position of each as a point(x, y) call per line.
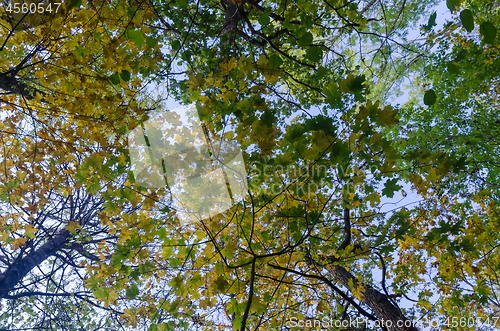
point(374, 198)
point(112, 296)
point(30, 231)
point(262, 62)
point(227, 66)
point(73, 226)
point(16, 243)
point(145, 223)
point(122, 159)
point(432, 176)
point(195, 81)
point(214, 81)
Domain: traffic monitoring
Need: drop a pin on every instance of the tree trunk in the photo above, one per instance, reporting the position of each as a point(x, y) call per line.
point(20, 268)
point(387, 313)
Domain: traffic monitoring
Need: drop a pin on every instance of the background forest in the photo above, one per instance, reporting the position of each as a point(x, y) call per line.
point(370, 136)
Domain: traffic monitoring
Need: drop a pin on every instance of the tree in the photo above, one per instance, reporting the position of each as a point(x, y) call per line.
point(458, 121)
point(60, 91)
point(297, 85)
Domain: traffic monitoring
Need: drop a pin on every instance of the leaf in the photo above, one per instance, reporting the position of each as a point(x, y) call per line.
point(76, 3)
point(30, 231)
point(332, 93)
point(150, 42)
point(453, 67)
point(433, 176)
point(228, 65)
point(125, 75)
point(430, 98)
point(388, 116)
point(73, 226)
point(136, 36)
point(489, 32)
point(352, 84)
point(467, 19)
point(431, 22)
point(453, 4)
point(115, 79)
point(461, 55)
point(264, 19)
point(306, 39)
point(132, 292)
point(275, 61)
point(101, 294)
point(19, 242)
point(460, 164)
point(176, 44)
point(132, 11)
point(221, 284)
point(390, 187)
point(314, 53)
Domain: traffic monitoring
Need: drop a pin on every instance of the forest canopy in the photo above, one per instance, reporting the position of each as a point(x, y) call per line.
point(339, 160)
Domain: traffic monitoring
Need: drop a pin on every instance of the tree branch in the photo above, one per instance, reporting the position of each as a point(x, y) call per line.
point(20, 268)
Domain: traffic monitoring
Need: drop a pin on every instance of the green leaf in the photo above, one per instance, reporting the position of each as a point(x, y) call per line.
point(489, 32)
point(461, 55)
point(173, 307)
point(132, 292)
point(390, 187)
point(136, 36)
point(151, 42)
point(275, 61)
point(387, 249)
point(467, 19)
point(460, 164)
point(430, 98)
point(101, 293)
point(115, 79)
point(76, 3)
point(314, 54)
point(352, 84)
point(467, 245)
point(332, 93)
point(176, 44)
point(431, 22)
point(264, 19)
point(453, 4)
point(125, 75)
point(306, 39)
point(453, 67)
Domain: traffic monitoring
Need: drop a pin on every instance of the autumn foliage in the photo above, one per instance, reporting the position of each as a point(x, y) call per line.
point(360, 206)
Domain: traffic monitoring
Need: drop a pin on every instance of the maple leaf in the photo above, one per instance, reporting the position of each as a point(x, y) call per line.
point(390, 187)
point(72, 226)
point(30, 231)
point(19, 242)
point(388, 116)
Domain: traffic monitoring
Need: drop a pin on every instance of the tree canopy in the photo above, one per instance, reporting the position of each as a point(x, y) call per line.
point(368, 131)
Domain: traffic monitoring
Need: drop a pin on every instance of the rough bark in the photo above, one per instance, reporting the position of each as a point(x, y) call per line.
point(21, 267)
point(377, 301)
